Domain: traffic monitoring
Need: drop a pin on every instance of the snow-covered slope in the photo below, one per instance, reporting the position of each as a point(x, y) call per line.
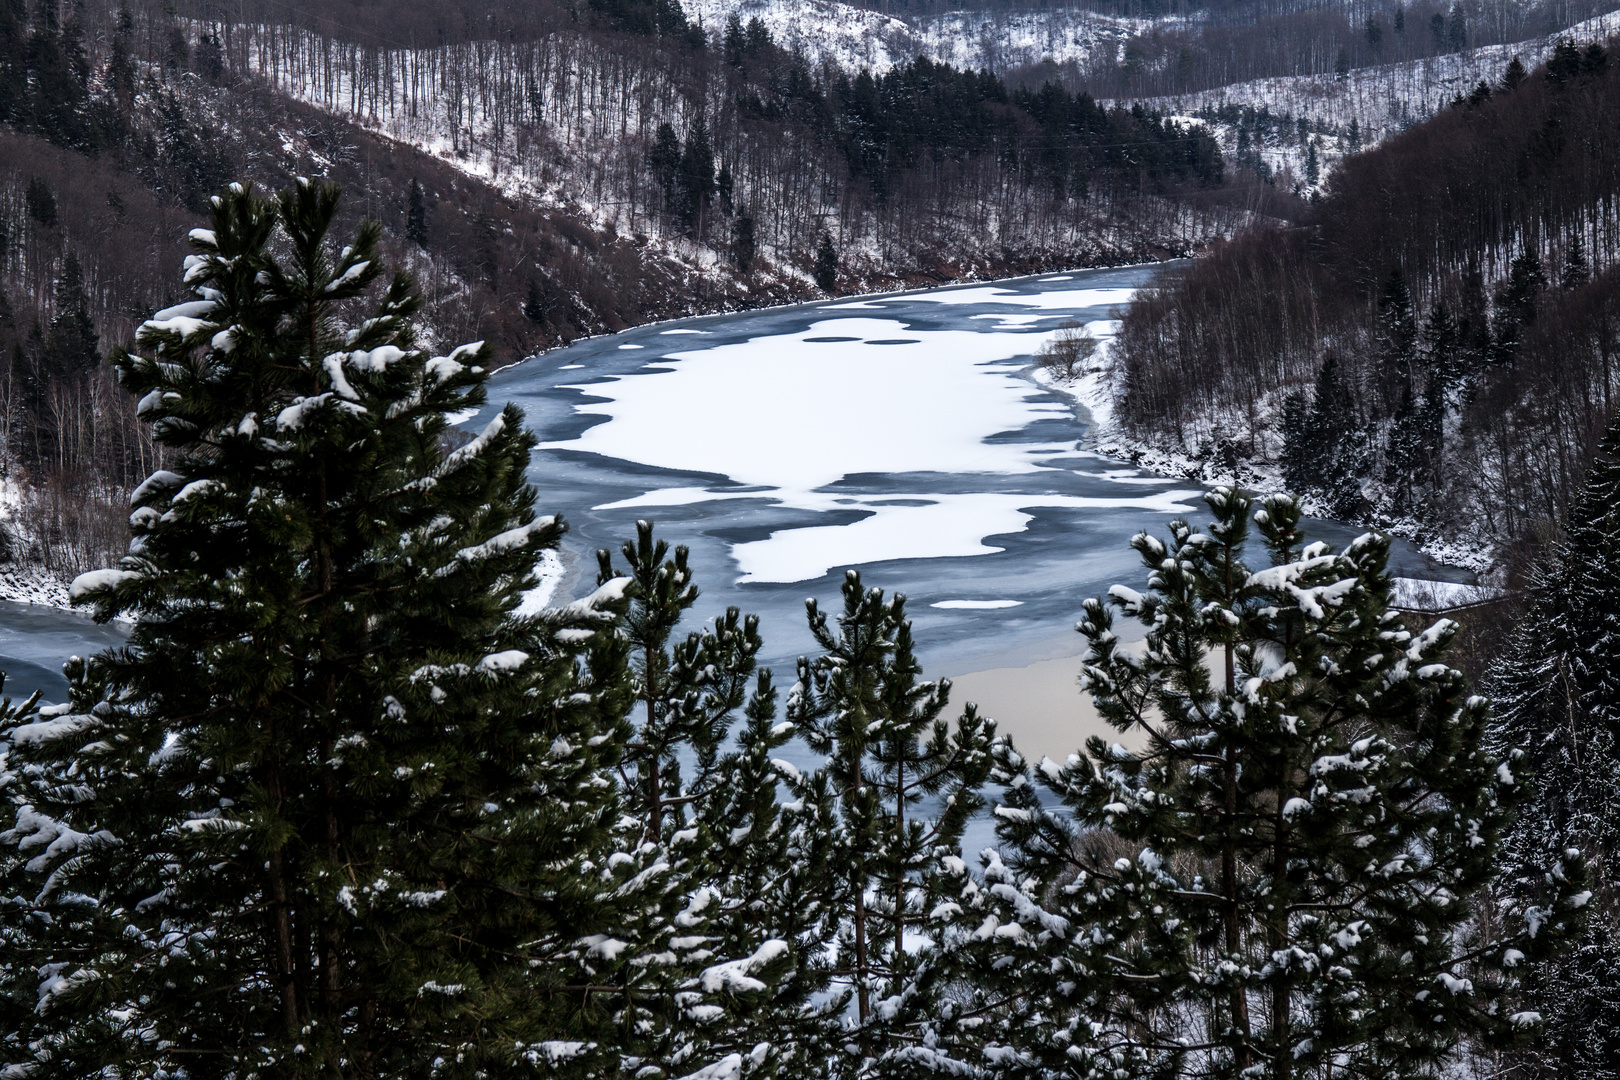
point(1383, 100)
point(1000, 40)
point(822, 29)
point(970, 38)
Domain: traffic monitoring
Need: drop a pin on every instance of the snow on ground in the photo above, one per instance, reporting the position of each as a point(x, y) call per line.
point(26, 583)
point(1417, 594)
point(1000, 40)
point(1095, 390)
point(789, 416)
point(975, 605)
point(822, 29)
point(972, 39)
point(1382, 100)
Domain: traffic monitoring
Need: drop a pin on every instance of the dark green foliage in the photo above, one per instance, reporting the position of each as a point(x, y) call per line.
point(1563, 65)
point(121, 64)
point(664, 162)
point(72, 347)
point(743, 247)
point(1397, 334)
point(1285, 873)
point(416, 216)
point(861, 704)
point(1516, 304)
point(191, 151)
point(826, 266)
point(695, 178)
point(1515, 74)
point(1559, 697)
point(361, 815)
point(704, 790)
point(41, 201)
point(13, 60)
point(648, 17)
point(1577, 271)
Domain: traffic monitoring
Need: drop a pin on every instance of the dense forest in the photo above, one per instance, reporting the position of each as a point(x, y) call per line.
point(1434, 340)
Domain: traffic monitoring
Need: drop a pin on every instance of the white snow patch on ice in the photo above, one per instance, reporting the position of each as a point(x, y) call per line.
point(460, 416)
point(788, 417)
point(975, 605)
point(549, 572)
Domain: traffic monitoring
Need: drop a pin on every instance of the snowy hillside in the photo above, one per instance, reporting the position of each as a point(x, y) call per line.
point(1381, 101)
point(971, 38)
point(821, 29)
point(1000, 40)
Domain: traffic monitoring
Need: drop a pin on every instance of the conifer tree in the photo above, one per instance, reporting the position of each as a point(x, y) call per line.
point(121, 62)
point(416, 216)
point(743, 244)
point(1559, 697)
point(72, 346)
point(1285, 874)
point(13, 61)
point(861, 704)
point(1577, 271)
point(826, 263)
point(1397, 340)
point(705, 791)
point(335, 809)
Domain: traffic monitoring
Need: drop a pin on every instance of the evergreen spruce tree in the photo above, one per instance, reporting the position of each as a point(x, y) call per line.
point(705, 791)
point(826, 263)
point(1397, 341)
point(41, 201)
point(861, 704)
point(58, 100)
point(1516, 304)
point(664, 161)
point(13, 61)
point(743, 243)
point(1284, 876)
point(1559, 697)
point(1577, 271)
point(72, 346)
point(335, 809)
point(121, 62)
point(696, 181)
point(416, 216)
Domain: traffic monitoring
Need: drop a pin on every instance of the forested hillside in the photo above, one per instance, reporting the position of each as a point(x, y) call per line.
point(1434, 342)
point(545, 170)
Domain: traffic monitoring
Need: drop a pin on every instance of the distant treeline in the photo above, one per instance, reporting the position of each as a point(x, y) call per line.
point(1438, 339)
point(1254, 39)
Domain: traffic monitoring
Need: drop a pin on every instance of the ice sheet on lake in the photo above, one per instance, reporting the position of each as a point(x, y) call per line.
point(787, 417)
point(1050, 299)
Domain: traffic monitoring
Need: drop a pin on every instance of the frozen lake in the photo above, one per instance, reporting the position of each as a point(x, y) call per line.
point(903, 435)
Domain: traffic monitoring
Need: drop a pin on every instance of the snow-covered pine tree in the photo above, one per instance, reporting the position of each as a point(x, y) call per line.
point(705, 790)
point(862, 705)
point(16, 969)
point(1559, 697)
point(1284, 876)
point(336, 809)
